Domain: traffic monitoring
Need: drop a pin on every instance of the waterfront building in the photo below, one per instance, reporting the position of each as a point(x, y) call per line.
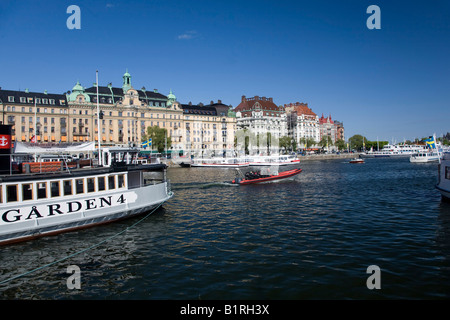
point(35, 115)
point(209, 129)
point(125, 114)
point(332, 128)
point(302, 123)
point(262, 117)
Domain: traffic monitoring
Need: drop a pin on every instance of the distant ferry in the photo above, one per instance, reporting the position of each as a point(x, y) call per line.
point(219, 162)
point(424, 157)
point(56, 199)
point(399, 150)
point(274, 160)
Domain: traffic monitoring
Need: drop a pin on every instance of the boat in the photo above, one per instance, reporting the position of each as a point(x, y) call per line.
point(443, 184)
point(36, 204)
point(356, 160)
point(185, 164)
point(424, 157)
point(274, 160)
point(394, 151)
point(220, 162)
point(253, 177)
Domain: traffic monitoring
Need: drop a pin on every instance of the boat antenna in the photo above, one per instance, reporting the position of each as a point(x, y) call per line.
point(98, 123)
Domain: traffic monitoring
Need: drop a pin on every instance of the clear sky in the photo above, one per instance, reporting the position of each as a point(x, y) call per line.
point(391, 84)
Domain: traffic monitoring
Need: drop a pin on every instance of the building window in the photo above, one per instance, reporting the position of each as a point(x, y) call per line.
point(10, 98)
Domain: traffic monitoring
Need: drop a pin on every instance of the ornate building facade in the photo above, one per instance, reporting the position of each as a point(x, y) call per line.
point(262, 117)
point(302, 122)
point(125, 114)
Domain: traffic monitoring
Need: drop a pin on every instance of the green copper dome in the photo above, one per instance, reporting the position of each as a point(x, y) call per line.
point(171, 96)
point(76, 91)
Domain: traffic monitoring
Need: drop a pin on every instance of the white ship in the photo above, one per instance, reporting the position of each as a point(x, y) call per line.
point(55, 198)
point(424, 157)
point(274, 160)
point(219, 162)
point(398, 150)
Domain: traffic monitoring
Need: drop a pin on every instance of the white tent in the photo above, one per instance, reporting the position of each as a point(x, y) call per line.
point(20, 147)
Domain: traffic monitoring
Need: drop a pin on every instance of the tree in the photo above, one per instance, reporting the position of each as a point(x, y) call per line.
point(285, 142)
point(310, 142)
point(356, 141)
point(340, 144)
point(326, 141)
point(159, 137)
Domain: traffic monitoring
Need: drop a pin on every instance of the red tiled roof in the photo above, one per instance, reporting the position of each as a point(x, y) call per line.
point(250, 104)
point(300, 108)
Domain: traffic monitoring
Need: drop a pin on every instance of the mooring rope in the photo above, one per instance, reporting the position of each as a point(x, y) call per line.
point(81, 251)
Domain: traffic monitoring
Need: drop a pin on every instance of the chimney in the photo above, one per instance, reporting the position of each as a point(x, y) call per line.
point(243, 99)
point(270, 99)
point(219, 101)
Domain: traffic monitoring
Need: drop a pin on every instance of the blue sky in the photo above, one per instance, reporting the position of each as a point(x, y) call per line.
point(391, 84)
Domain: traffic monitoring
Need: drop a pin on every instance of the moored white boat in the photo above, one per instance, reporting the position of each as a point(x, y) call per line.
point(220, 162)
point(424, 157)
point(394, 151)
point(443, 184)
point(278, 160)
point(39, 204)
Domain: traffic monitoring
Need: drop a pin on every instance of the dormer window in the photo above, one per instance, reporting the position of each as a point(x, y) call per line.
point(10, 98)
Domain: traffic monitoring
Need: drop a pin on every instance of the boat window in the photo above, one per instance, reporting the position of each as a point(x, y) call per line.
point(79, 186)
point(90, 184)
point(27, 191)
point(41, 190)
point(1, 194)
point(447, 173)
point(111, 182)
point(11, 193)
point(101, 183)
point(67, 186)
point(54, 188)
point(121, 181)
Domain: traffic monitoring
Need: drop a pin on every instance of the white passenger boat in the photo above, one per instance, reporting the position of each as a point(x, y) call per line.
point(424, 157)
point(394, 151)
point(62, 199)
point(443, 184)
point(278, 160)
point(219, 162)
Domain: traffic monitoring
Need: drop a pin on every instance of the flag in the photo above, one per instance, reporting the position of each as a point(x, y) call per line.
point(147, 143)
point(33, 139)
point(431, 143)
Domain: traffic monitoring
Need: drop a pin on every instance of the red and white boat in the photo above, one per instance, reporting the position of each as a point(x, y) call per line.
point(356, 160)
point(258, 177)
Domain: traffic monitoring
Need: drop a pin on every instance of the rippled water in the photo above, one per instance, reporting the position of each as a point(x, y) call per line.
point(312, 237)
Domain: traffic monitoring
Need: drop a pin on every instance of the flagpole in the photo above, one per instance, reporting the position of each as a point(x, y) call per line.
point(437, 149)
point(98, 124)
point(35, 128)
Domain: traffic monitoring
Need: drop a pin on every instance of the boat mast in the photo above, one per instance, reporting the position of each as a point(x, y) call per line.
point(98, 123)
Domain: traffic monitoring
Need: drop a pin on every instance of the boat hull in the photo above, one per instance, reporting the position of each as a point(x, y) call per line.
point(282, 175)
point(35, 221)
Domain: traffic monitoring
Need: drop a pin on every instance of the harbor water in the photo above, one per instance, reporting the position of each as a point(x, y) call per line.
point(310, 237)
